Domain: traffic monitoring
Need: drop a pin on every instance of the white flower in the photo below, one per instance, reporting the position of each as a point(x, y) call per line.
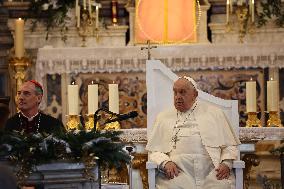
point(45, 6)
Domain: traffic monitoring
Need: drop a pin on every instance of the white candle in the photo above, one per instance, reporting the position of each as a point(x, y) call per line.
point(113, 98)
point(251, 96)
point(76, 8)
point(73, 99)
point(252, 10)
point(97, 16)
point(92, 99)
point(228, 10)
point(90, 7)
point(84, 4)
point(272, 96)
point(19, 38)
point(78, 17)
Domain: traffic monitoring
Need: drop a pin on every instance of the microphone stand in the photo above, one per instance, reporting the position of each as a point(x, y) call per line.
point(96, 119)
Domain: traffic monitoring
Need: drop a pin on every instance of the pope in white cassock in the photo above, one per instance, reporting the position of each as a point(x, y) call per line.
point(193, 143)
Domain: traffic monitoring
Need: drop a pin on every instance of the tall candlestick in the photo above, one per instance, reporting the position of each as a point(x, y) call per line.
point(73, 99)
point(113, 98)
point(92, 99)
point(97, 16)
point(19, 38)
point(114, 11)
point(227, 10)
point(272, 96)
point(251, 96)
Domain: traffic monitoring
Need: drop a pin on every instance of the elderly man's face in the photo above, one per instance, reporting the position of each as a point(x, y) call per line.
point(27, 98)
point(184, 94)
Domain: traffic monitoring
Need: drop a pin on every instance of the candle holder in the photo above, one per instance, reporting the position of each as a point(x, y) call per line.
point(274, 120)
point(114, 5)
point(89, 26)
point(73, 123)
point(20, 66)
point(252, 120)
point(89, 124)
point(112, 126)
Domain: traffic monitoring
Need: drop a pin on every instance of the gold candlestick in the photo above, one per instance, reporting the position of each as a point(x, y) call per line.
point(112, 126)
point(114, 12)
point(20, 66)
point(252, 120)
point(73, 123)
point(89, 124)
point(274, 120)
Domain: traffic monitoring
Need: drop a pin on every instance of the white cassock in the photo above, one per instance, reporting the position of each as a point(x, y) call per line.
point(204, 138)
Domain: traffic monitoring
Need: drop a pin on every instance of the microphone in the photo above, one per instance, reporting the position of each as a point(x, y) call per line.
point(121, 117)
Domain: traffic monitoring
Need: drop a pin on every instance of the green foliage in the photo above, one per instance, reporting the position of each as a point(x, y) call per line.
point(51, 13)
point(271, 9)
point(28, 150)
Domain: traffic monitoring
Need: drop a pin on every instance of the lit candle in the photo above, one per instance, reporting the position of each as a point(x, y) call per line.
point(84, 4)
point(272, 96)
point(97, 16)
point(73, 99)
point(92, 99)
point(19, 38)
point(251, 96)
point(113, 98)
point(252, 10)
point(228, 10)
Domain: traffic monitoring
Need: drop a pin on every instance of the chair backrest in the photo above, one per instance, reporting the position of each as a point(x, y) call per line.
point(159, 81)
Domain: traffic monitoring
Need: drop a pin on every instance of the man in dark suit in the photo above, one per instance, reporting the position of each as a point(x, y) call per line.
point(29, 118)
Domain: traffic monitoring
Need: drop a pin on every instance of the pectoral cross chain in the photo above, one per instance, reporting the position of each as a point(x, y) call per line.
point(175, 139)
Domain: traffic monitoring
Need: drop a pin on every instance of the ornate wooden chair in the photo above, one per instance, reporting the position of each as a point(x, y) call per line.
point(159, 81)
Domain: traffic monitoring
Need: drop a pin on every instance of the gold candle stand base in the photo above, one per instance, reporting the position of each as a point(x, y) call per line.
point(89, 124)
point(274, 120)
point(112, 126)
point(73, 123)
point(252, 120)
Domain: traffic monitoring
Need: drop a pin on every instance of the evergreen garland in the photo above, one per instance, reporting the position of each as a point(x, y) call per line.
point(270, 9)
point(29, 150)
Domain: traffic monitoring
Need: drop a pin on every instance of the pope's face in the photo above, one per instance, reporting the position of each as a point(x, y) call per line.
point(27, 98)
point(184, 95)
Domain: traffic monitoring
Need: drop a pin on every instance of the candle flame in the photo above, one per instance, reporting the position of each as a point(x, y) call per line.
point(271, 79)
point(73, 83)
point(92, 82)
point(251, 79)
point(228, 2)
point(20, 19)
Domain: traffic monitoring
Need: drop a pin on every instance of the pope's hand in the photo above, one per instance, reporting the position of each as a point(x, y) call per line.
point(171, 170)
point(223, 171)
